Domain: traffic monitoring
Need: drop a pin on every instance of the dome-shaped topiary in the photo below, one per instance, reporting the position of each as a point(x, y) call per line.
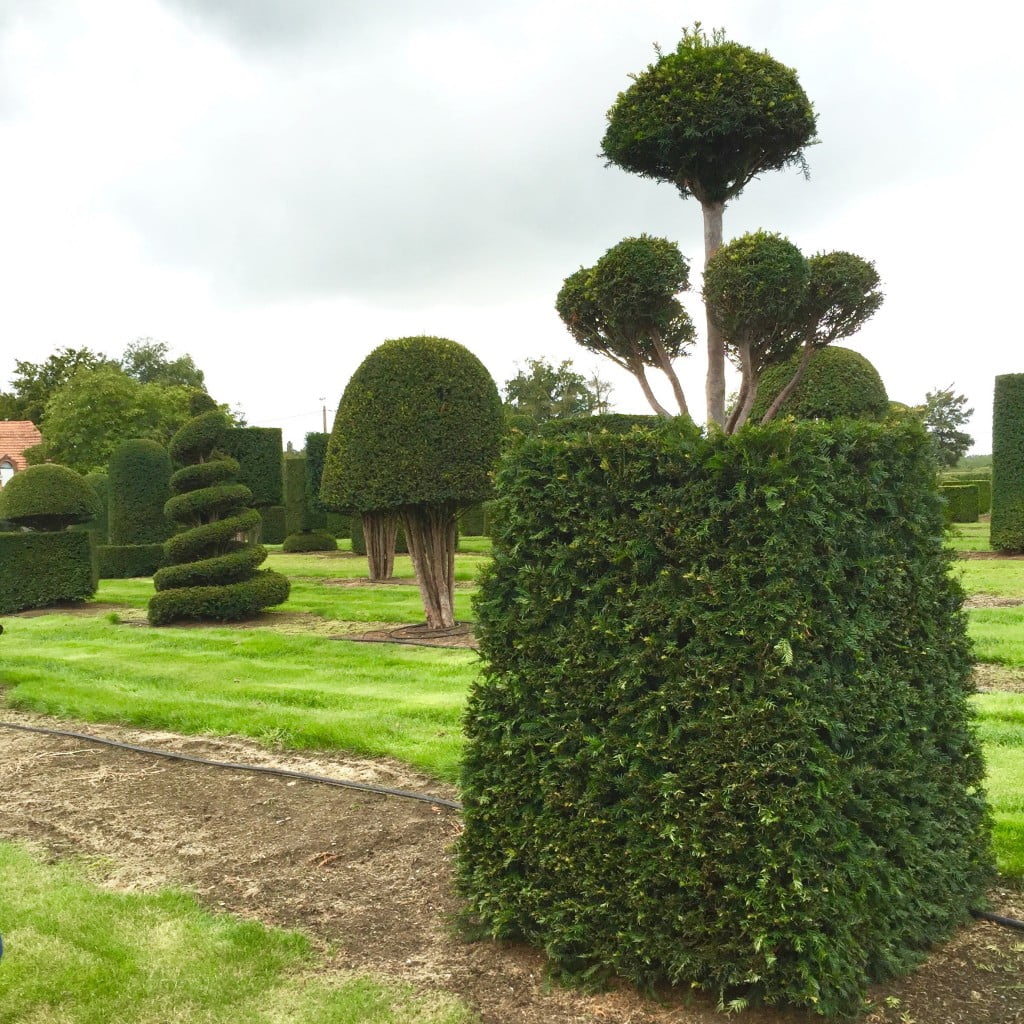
point(311, 540)
point(48, 497)
point(416, 436)
point(838, 383)
point(210, 573)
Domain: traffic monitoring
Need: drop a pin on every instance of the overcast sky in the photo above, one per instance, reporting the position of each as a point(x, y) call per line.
point(277, 186)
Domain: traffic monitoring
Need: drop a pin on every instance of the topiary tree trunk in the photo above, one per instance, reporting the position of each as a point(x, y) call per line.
point(430, 531)
point(380, 532)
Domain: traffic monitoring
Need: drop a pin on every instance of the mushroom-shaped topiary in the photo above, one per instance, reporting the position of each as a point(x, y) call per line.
point(838, 383)
point(416, 436)
point(48, 497)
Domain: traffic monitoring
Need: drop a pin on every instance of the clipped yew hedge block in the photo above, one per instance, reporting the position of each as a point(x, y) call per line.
point(722, 736)
point(311, 540)
point(43, 569)
point(129, 561)
point(273, 529)
point(962, 502)
point(1008, 464)
point(258, 452)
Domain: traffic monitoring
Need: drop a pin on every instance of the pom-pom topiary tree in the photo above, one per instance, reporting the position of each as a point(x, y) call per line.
point(416, 436)
point(837, 383)
point(1007, 463)
point(211, 574)
point(48, 498)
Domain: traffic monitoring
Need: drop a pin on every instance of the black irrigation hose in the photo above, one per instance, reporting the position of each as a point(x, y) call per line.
point(982, 915)
point(365, 787)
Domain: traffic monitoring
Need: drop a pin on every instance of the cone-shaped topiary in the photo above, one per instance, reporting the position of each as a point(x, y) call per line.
point(48, 497)
point(416, 436)
point(210, 573)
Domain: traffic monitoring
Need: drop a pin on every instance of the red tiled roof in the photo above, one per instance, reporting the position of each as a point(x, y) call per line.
point(15, 437)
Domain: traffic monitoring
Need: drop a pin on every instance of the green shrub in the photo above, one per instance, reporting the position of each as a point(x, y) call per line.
point(128, 561)
point(961, 502)
point(296, 519)
point(48, 497)
point(312, 540)
point(210, 574)
point(100, 525)
point(258, 451)
point(339, 524)
point(316, 455)
point(139, 474)
point(273, 531)
point(610, 422)
point(42, 569)
point(722, 735)
point(1007, 464)
point(838, 383)
point(471, 521)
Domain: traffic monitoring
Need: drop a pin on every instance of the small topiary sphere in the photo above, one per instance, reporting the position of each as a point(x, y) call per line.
point(838, 384)
point(311, 540)
point(48, 497)
point(419, 424)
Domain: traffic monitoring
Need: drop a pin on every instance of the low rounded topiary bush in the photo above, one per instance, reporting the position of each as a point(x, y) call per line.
point(48, 497)
point(311, 540)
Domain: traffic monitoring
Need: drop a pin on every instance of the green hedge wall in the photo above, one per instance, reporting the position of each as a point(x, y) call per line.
point(273, 531)
point(139, 486)
point(295, 500)
point(983, 480)
point(100, 526)
point(128, 561)
point(42, 569)
point(961, 502)
point(316, 455)
point(1008, 463)
point(339, 525)
point(471, 521)
point(722, 735)
point(258, 451)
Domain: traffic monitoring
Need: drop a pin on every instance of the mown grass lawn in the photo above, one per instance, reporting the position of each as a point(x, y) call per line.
point(79, 954)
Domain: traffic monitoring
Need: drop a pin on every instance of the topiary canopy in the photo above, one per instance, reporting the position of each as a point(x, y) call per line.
point(48, 497)
point(838, 383)
point(419, 424)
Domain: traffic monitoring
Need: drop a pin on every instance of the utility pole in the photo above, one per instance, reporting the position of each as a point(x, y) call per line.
point(323, 407)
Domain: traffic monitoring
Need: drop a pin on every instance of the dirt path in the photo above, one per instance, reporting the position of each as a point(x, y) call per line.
point(371, 875)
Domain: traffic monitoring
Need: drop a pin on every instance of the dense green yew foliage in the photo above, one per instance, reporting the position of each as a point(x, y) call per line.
point(722, 735)
point(1007, 463)
point(100, 525)
point(982, 480)
point(42, 569)
point(316, 455)
point(272, 530)
point(258, 452)
point(139, 474)
point(962, 503)
point(210, 573)
point(127, 561)
point(311, 540)
point(838, 383)
point(48, 497)
point(296, 518)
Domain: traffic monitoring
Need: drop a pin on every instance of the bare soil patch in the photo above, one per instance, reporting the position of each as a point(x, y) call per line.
point(370, 876)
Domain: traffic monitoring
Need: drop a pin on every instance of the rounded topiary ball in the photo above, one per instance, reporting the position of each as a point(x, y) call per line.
point(48, 497)
point(419, 424)
point(838, 384)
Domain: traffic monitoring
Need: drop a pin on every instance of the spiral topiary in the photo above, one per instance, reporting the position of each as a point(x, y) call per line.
point(210, 573)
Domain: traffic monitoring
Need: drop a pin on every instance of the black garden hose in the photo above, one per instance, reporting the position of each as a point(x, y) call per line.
point(365, 787)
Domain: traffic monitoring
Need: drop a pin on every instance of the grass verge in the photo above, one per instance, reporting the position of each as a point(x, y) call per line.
point(79, 954)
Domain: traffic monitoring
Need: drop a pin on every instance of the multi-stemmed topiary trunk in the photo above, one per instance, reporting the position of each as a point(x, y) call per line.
point(415, 438)
point(211, 574)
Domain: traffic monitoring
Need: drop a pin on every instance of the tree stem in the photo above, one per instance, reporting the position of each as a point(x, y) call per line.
point(714, 386)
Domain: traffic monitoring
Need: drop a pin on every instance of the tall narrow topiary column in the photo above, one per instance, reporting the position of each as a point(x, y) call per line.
point(211, 574)
point(1007, 525)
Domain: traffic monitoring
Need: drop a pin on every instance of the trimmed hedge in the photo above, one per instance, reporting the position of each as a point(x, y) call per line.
point(312, 540)
point(961, 502)
point(983, 481)
point(471, 521)
point(295, 500)
point(100, 525)
point(48, 497)
point(210, 573)
point(43, 569)
point(316, 456)
point(838, 384)
point(273, 531)
point(258, 451)
point(339, 525)
point(128, 561)
point(1007, 464)
point(722, 735)
point(139, 475)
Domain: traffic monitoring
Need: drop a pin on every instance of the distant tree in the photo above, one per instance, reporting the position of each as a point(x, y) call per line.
point(943, 414)
point(625, 307)
point(416, 437)
point(709, 117)
point(34, 384)
point(546, 392)
point(98, 408)
point(146, 359)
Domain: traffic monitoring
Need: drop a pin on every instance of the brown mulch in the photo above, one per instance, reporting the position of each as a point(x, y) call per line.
point(370, 877)
point(991, 554)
